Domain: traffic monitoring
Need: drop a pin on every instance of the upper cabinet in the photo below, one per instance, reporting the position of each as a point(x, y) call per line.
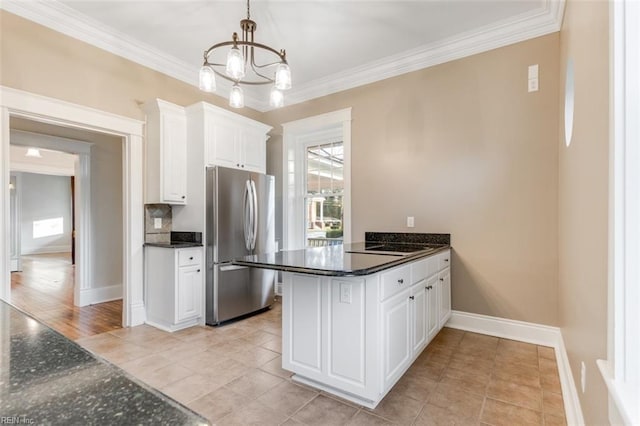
point(166, 153)
point(230, 140)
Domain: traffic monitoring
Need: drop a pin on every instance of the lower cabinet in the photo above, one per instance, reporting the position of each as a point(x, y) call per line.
point(356, 336)
point(174, 280)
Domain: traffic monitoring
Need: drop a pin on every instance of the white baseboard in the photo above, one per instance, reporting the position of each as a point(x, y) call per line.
point(138, 314)
point(537, 334)
point(91, 296)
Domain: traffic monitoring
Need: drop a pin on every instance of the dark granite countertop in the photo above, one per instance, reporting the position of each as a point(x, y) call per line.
point(173, 245)
point(332, 260)
point(47, 379)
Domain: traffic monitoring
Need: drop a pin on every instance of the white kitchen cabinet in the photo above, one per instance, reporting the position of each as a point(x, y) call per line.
point(174, 280)
point(165, 153)
point(355, 337)
point(396, 336)
point(230, 140)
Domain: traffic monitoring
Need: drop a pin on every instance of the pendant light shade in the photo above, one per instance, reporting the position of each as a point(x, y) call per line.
point(207, 79)
point(276, 99)
point(235, 63)
point(33, 152)
point(283, 76)
point(236, 97)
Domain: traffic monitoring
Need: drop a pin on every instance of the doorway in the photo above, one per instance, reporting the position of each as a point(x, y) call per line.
point(19, 104)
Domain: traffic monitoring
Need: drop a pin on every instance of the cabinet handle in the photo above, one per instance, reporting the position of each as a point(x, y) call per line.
point(429, 287)
point(191, 258)
point(183, 197)
point(198, 270)
point(242, 166)
point(446, 260)
point(238, 165)
point(400, 281)
point(441, 279)
point(411, 297)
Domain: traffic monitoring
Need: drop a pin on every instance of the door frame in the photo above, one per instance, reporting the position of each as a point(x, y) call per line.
point(18, 103)
point(15, 221)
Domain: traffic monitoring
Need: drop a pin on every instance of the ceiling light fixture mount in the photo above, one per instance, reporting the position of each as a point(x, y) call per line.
point(242, 67)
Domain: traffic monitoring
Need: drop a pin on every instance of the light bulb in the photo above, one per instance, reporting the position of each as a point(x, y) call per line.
point(236, 97)
point(33, 152)
point(283, 76)
point(276, 99)
point(235, 63)
point(207, 79)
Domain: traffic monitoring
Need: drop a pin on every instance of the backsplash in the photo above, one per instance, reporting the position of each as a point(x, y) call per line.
point(153, 212)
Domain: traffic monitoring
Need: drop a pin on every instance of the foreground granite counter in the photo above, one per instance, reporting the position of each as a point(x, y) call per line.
point(47, 379)
point(336, 260)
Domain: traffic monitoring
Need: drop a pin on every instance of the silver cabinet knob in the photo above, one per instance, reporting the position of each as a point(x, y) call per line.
point(441, 279)
point(400, 281)
point(411, 297)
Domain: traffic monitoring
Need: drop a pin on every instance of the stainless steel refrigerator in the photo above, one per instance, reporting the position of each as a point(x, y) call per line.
point(240, 222)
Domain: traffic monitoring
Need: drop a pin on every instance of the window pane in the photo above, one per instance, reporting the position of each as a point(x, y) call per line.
point(325, 185)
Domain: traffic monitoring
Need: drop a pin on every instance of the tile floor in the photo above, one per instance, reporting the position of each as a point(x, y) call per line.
point(232, 376)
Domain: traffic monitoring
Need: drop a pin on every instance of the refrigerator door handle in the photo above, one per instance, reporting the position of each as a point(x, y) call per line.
point(254, 231)
point(247, 215)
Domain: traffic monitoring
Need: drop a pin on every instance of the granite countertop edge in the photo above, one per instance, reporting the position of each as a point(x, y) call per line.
point(341, 273)
point(173, 245)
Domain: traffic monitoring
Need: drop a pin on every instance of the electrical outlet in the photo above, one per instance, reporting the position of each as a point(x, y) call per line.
point(157, 223)
point(410, 222)
point(345, 293)
point(583, 377)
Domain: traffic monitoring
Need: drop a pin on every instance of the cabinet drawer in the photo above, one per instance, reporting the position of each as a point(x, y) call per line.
point(395, 280)
point(444, 260)
point(424, 268)
point(188, 257)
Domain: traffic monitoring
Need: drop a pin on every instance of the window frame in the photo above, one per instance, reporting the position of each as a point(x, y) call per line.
point(297, 136)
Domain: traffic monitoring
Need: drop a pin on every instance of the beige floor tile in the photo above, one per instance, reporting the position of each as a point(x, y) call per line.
point(145, 364)
point(194, 333)
point(415, 387)
point(126, 353)
point(191, 347)
point(437, 353)
point(217, 404)
point(138, 333)
point(465, 405)
point(101, 343)
point(551, 382)
point(547, 366)
point(191, 388)
point(254, 413)
point(547, 353)
point(524, 396)
point(551, 420)
point(275, 367)
point(287, 398)
point(517, 358)
point(553, 404)
point(513, 346)
point(467, 380)
point(323, 410)
point(427, 370)
point(259, 337)
point(502, 414)
point(466, 362)
point(254, 357)
point(399, 408)
point(274, 345)
point(433, 415)
point(165, 375)
point(291, 422)
point(161, 343)
point(254, 383)
point(363, 418)
point(225, 370)
point(479, 340)
point(517, 373)
point(200, 359)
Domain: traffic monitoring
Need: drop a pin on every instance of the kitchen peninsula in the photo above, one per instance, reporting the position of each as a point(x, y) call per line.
point(356, 316)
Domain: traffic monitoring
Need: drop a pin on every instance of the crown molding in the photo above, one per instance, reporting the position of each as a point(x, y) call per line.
point(546, 20)
point(61, 18)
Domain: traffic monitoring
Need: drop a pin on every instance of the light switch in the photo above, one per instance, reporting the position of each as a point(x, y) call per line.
point(157, 223)
point(532, 78)
point(410, 222)
point(345, 293)
point(533, 71)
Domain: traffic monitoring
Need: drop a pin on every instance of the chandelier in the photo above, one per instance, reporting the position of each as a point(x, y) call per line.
point(241, 66)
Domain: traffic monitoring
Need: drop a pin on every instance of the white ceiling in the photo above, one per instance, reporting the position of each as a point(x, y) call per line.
point(331, 45)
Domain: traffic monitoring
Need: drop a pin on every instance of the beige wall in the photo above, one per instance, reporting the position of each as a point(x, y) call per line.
point(40, 60)
point(466, 150)
point(583, 200)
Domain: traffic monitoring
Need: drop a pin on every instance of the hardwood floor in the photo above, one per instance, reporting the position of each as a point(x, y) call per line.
point(44, 289)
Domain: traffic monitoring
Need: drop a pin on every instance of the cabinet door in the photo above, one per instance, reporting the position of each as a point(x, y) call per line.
point(174, 159)
point(433, 302)
point(223, 143)
point(396, 323)
point(419, 317)
point(444, 279)
point(188, 293)
point(254, 150)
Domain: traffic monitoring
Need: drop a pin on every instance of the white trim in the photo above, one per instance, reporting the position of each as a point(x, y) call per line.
point(172, 328)
point(59, 17)
point(92, 296)
point(537, 334)
point(54, 143)
point(49, 110)
point(43, 169)
point(295, 135)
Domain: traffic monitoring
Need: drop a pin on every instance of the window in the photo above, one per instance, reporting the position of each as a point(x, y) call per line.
point(317, 191)
point(324, 213)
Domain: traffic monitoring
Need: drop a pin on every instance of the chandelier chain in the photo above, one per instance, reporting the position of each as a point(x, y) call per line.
point(248, 11)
